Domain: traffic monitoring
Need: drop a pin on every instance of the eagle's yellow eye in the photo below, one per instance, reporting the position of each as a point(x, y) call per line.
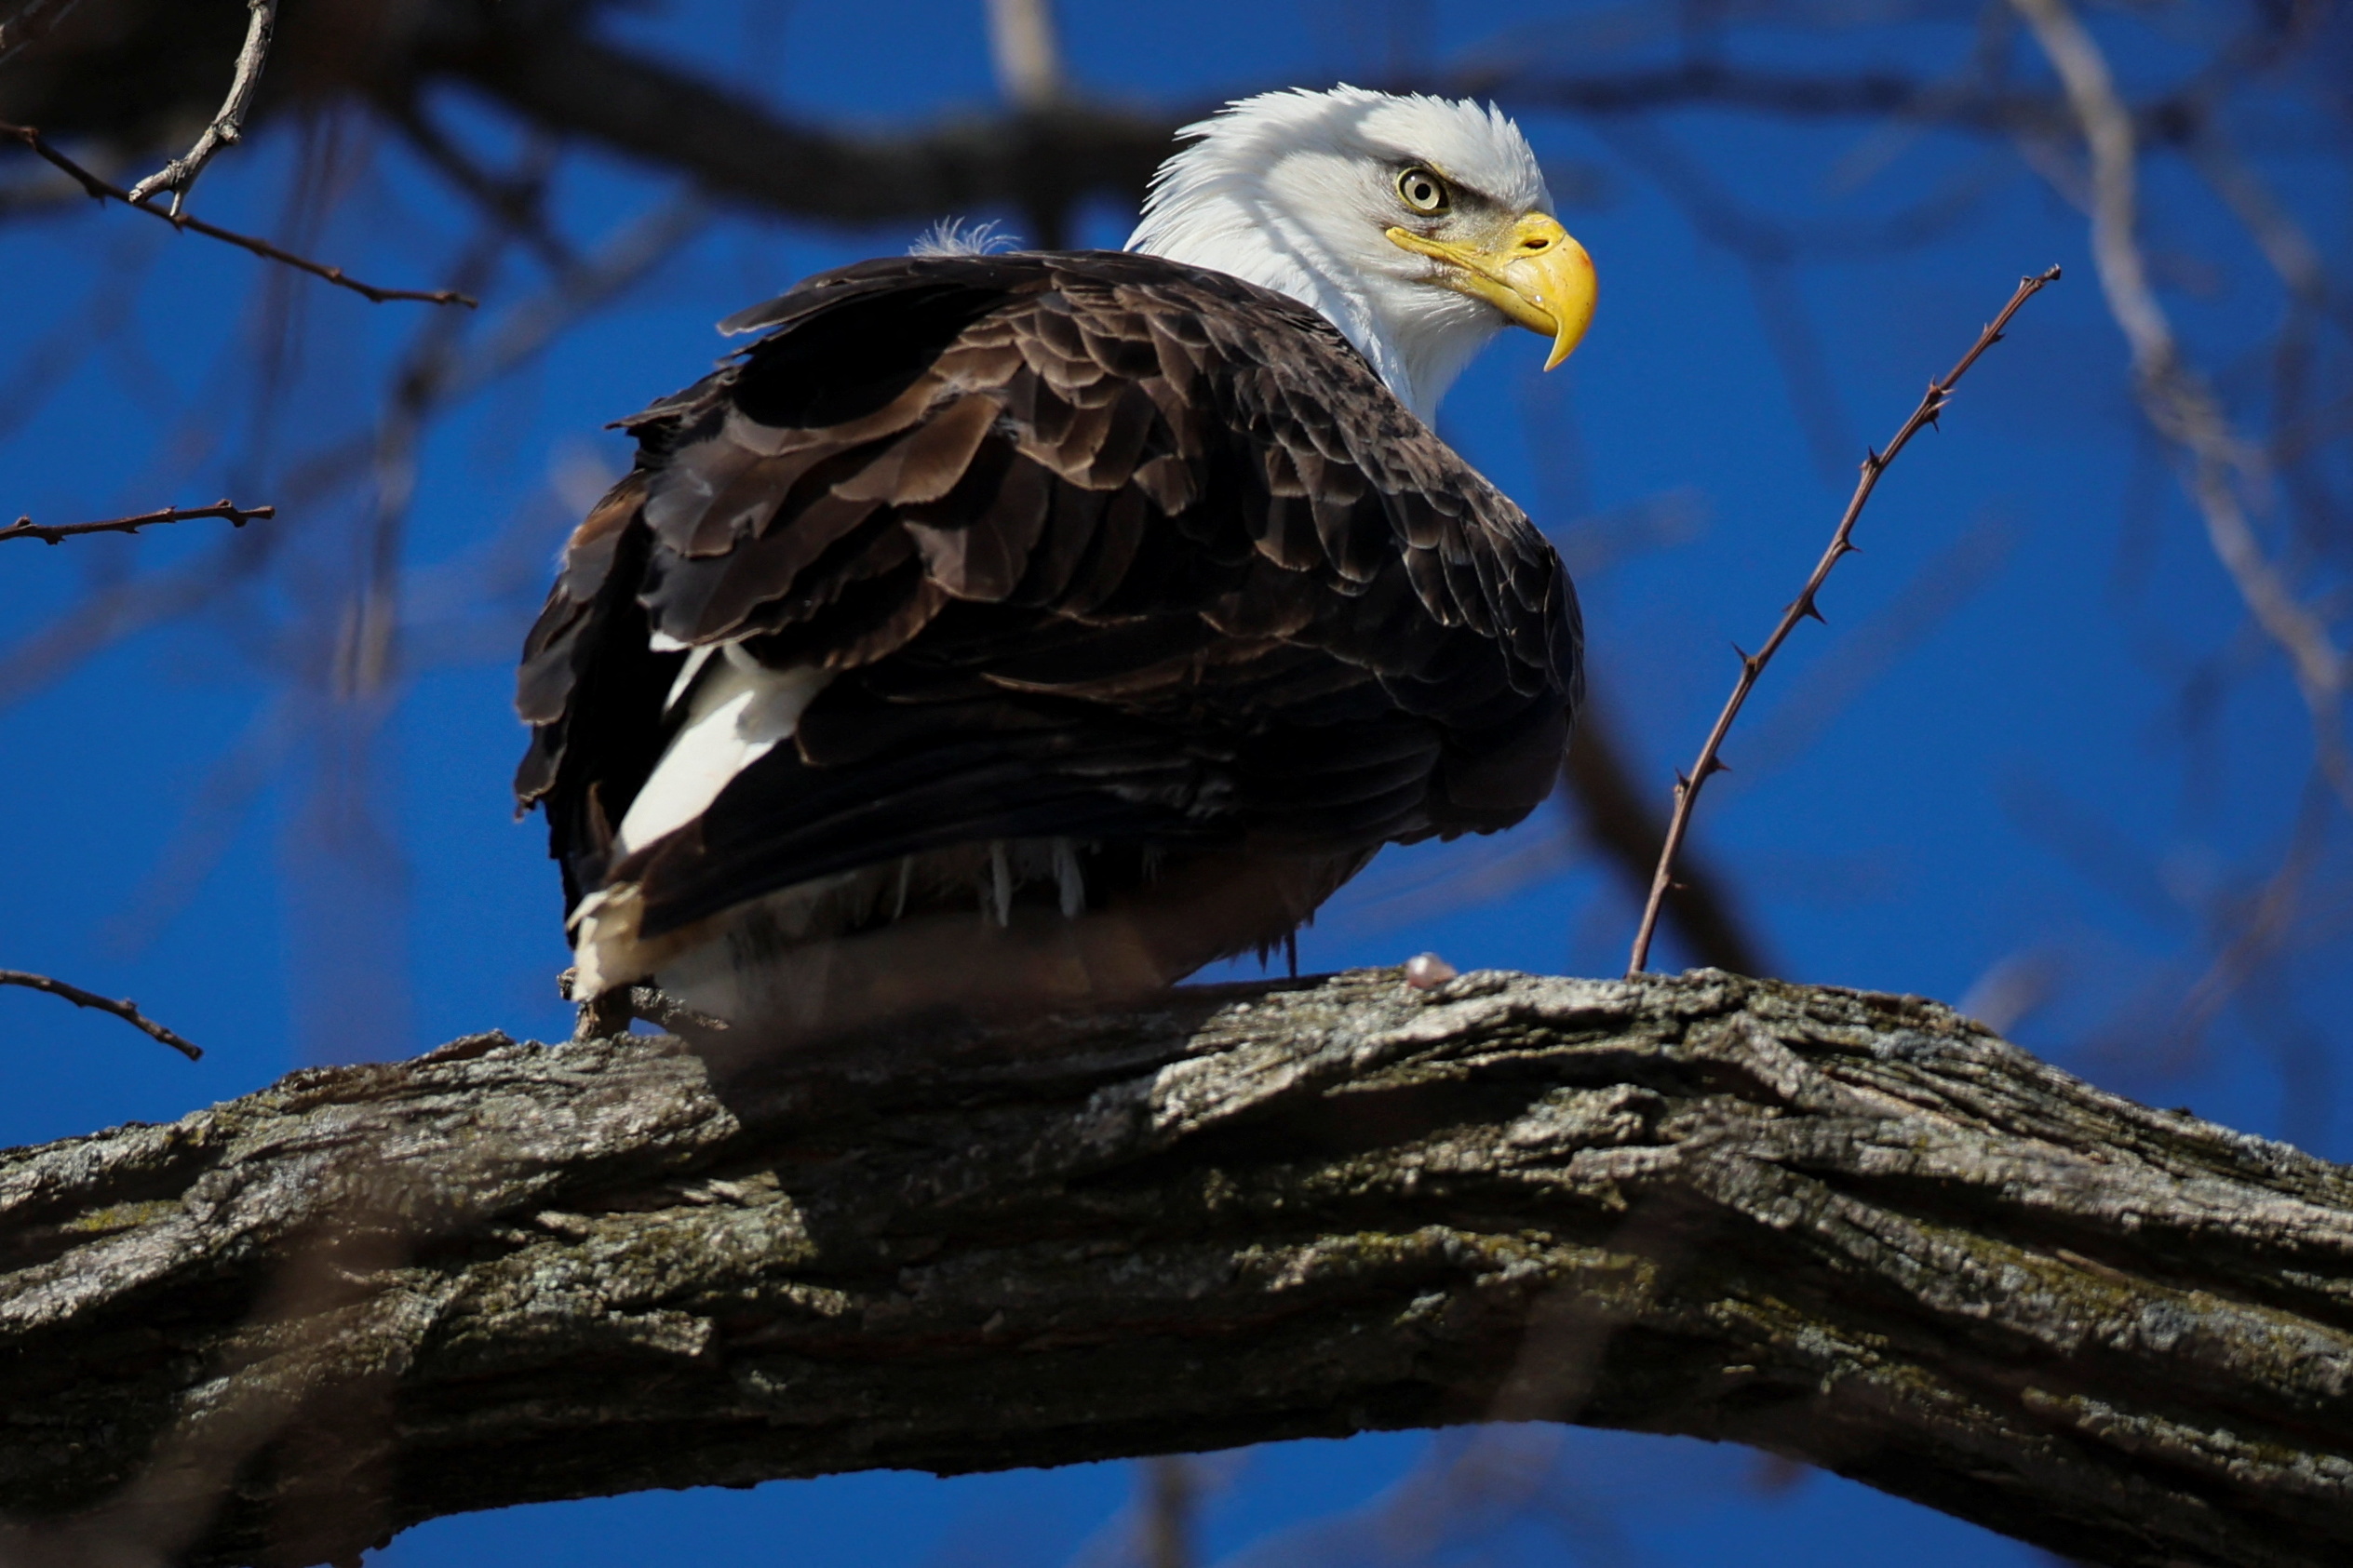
point(1423, 191)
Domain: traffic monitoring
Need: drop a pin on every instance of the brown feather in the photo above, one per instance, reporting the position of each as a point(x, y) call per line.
point(1100, 545)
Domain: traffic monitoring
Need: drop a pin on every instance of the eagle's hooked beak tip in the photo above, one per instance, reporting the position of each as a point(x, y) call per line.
point(1535, 273)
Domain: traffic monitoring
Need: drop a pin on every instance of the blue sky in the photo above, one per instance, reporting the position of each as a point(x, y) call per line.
point(2036, 736)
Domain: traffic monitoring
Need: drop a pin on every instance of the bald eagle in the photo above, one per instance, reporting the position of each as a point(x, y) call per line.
point(996, 629)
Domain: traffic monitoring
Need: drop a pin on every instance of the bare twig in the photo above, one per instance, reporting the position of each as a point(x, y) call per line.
point(102, 190)
point(27, 22)
point(126, 1009)
point(1620, 820)
point(229, 124)
point(1687, 786)
point(50, 534)
point(2179, 401)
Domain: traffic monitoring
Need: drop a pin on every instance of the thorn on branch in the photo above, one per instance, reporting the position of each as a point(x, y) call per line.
point(1687, 789)
point(52, 533)
point(126, 1009)
point(103, 191)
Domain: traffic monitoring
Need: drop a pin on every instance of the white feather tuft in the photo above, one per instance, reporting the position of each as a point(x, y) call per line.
point(960, 237)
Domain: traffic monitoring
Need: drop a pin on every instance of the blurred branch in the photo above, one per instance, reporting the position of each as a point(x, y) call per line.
point(180, 174)
point(624, 259)
point(51, 534)
point(126, 1009)
point(1026, 52)
point(2265, 920)
point(1851, 1229)
point(103, 190)
point(1173, 1494)
point(1688, 785)
point(116, 611)
point(1867, 94)
point(540, 58)
point(2178, 400)
point(1047, 158)
point(27, 22)
point(518, 203)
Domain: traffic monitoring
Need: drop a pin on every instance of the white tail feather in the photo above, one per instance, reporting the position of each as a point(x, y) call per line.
point(738, 713)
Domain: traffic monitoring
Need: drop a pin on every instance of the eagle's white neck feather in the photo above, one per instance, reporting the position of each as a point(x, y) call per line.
point(1295, 191)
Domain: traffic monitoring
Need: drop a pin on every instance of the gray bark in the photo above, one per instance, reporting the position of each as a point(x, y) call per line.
point(1853, 1229)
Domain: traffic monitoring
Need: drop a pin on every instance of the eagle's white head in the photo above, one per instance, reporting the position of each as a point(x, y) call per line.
point(1418, 227)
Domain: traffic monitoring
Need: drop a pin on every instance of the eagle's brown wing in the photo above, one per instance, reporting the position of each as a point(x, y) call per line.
point(1102, 547)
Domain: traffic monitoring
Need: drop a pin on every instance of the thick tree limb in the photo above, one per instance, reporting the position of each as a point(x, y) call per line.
point(1851, 1228)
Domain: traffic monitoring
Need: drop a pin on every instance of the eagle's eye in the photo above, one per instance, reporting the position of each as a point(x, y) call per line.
point(1423, 191)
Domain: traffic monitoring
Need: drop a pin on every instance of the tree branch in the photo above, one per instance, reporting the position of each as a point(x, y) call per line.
point(1875, 463)
point(53, 533)
point(1849, 1228)
point(126, 1009)
point(105, 190)
point(226, 126)
point(1620, 820)
point(2179, 401)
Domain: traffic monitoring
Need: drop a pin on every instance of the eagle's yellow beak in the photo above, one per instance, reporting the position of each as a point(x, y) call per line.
point(1533, 273)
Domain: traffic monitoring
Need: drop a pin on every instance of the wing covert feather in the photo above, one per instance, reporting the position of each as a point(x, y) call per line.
point(1094, 540)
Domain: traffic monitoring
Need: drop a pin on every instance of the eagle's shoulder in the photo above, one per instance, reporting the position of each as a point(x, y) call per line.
point(992, 487)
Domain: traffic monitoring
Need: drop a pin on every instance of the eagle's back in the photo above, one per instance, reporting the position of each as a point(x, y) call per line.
point(1093, 550)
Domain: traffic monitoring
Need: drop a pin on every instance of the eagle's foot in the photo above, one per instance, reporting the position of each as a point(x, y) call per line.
point(611, 1012)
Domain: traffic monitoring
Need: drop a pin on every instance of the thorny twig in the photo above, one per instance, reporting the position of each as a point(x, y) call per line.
point(2179, 401)
point(126, 1009)
point(1687, 786)
point(229, 124)
point(51, 534)
point(102, 190)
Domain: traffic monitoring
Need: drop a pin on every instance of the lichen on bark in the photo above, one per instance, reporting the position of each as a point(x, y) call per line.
point(1853, 1229)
